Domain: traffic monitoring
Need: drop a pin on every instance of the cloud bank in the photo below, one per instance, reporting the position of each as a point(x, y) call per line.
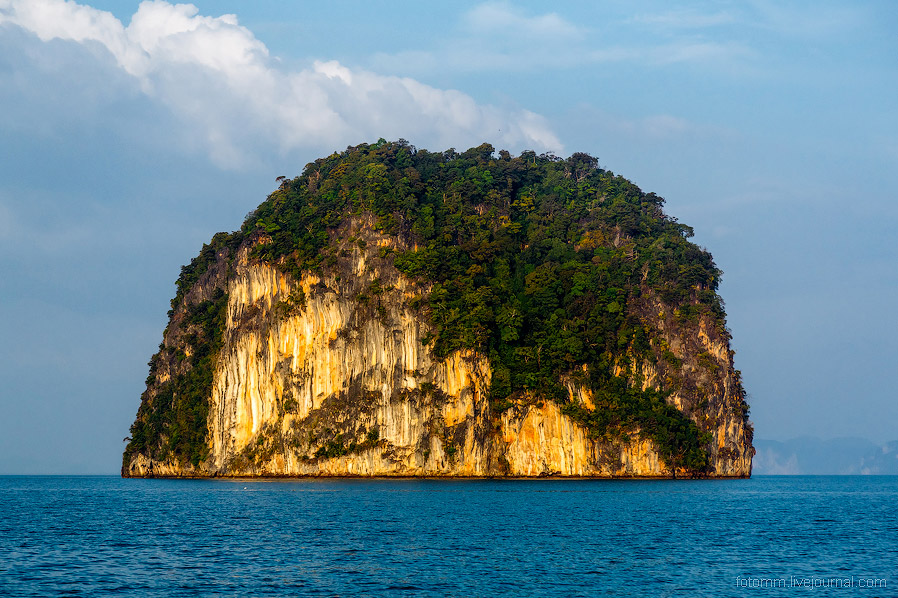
point(235, 101)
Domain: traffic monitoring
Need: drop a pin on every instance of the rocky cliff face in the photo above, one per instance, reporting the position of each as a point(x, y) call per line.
point(328, 375)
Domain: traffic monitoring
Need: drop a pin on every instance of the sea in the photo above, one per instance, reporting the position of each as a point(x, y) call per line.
point(765, 536)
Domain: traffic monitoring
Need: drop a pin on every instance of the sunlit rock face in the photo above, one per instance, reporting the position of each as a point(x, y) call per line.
point(322, 377)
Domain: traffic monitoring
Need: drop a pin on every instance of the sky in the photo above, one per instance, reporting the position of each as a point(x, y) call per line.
point(131, 132)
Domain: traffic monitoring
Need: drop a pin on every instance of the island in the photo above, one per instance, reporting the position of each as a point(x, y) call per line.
point(394, 311)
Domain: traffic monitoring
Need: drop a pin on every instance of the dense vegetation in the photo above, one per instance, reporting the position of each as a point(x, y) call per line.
point(173, 423)
point(533, 261)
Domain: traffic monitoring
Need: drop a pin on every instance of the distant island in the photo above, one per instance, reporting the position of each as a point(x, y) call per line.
point(833, 456)
point(399, 312)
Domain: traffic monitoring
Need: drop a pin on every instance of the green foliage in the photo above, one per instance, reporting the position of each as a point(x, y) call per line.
point(198, 266)
point(373, 435)
point(293, 304)
point(620, 408)
point(338, 445)
point(172, 424)
point(707, 360)
point(335, 447)
point(672, 359)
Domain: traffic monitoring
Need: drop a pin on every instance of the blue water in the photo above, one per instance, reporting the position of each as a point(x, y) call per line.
point(102, 536)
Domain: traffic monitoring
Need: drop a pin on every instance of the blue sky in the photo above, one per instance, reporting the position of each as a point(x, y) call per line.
point(131, 133)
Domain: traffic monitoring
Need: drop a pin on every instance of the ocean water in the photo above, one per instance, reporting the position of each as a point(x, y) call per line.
point(104, 536)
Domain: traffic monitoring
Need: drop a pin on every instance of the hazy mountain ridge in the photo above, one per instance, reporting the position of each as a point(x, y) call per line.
point(815, 456)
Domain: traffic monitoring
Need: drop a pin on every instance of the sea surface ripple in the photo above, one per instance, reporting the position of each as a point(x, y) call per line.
point(106, 536)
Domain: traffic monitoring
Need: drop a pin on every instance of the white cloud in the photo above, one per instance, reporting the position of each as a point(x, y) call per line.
point(690, 51)
point(821, 21)
point(648, 129)
point(686, 19)
point(501, 17)
point(664, 125)
point(496, 36)
point(685, 51)
point(233, 100)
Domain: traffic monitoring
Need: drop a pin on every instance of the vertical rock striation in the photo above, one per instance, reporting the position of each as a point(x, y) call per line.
point(331, 385)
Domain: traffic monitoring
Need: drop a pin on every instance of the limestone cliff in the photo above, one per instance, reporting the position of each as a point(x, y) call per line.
point(331, 371)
